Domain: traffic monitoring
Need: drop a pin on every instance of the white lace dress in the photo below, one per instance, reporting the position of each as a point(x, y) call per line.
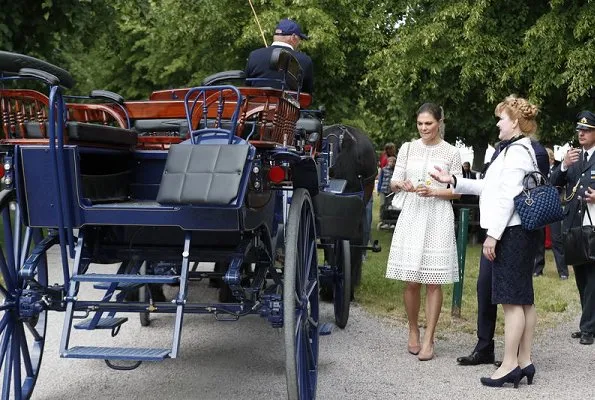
point(423, 247)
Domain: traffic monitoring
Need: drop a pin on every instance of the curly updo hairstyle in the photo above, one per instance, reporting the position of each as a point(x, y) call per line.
point(519, 109)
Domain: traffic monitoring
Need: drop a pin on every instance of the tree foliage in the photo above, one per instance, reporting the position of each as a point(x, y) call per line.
point(467, 55)
point(375, 61)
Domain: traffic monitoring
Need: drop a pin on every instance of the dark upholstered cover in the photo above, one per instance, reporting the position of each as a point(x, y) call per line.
point(86, 132)
point(338, 216)
point(96, 133)
point(202, 174)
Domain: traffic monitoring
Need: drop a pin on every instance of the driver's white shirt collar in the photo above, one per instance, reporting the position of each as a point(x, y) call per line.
point(282, 44)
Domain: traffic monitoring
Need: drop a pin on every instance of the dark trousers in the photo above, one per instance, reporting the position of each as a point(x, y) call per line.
point(539, 252)
point(557, 249)
point(486, 311)
point(585, 282)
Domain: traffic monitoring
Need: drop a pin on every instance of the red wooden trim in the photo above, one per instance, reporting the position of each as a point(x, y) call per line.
point(179, 94)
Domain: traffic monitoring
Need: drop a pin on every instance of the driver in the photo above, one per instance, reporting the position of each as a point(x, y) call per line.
point(288, 35)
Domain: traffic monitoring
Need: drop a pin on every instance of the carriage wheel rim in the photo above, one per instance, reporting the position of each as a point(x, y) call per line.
point(302, 363)
point(342, 282)
point(22, 340)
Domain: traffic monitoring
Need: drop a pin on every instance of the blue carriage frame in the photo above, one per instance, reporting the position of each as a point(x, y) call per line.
point(44, 184)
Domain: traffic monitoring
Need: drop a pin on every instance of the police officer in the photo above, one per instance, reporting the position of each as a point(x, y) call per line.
point(577, 174)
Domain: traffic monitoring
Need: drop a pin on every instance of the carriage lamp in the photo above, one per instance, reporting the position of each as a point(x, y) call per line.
point(6, 167)
point(256, 169)
point(257, 185)
point(277, 174)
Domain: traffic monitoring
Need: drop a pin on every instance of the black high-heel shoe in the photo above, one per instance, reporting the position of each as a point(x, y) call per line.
point(513, 377)
point(529, 372)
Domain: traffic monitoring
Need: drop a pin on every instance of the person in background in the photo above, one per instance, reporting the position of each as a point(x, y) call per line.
point(575, 174)
point(288, 35)
point(383, 188)
point(556, 236)
point(389, 151)
point(467, 172)
point(509, 247)
point(423, 248)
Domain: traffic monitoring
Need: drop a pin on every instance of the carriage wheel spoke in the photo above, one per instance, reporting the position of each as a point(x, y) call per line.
point(312, 286)
point(9, 243)
point(36, 335)
point(16, 359)
point(25, 352)
point(310, 258)
point(5, 274)
point(6, 363)
point(298, 321)
point(25, 248)
point(17, 233)
point(3, 322)
point(4, 344)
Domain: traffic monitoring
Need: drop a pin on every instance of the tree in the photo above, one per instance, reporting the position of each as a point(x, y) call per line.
point(48, 29)
point(375, 61)
point(468, 55)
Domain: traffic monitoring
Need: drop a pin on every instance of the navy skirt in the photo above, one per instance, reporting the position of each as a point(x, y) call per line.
point(512, 272)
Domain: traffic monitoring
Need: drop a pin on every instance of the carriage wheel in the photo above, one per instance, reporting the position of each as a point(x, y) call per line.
point(342, 282)
point(22, 333)
point(300, 299)
point(356, 257)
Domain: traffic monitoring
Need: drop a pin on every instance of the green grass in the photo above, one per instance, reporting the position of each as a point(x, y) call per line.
point(556, 300)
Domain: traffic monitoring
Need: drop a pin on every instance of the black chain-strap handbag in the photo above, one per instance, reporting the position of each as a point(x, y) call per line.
point(539, 203)
point(579, 242)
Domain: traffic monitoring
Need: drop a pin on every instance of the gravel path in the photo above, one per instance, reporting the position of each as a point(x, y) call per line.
point(367, 360)
point(245, 360)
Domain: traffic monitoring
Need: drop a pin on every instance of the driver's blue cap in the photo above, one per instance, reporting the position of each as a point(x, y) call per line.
point(287, 27)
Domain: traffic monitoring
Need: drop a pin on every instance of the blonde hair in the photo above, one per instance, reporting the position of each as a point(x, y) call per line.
point(521, 110)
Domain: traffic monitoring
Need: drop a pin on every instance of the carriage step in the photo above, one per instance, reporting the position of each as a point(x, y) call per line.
point(325, 329)
point(104, 323)
point(117, 353)
point(137, 279)
point(120, 286)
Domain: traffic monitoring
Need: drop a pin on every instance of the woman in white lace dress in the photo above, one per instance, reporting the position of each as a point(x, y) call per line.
point(423, 249)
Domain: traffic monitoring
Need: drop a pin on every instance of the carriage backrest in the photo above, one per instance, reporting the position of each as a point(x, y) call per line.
point(286, 63)
point(24, 115)
point(20, 110)
point(267, 115)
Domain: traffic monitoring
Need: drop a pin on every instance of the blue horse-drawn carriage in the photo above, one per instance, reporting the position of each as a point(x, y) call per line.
point(236, 179)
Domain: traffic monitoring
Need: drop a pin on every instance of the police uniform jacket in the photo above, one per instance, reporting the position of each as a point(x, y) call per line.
point(576, 180)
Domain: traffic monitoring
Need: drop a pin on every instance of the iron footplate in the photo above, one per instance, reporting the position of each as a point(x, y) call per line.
point(119, 286)
point(103, 323)
point(325, 329)
point(117, 353)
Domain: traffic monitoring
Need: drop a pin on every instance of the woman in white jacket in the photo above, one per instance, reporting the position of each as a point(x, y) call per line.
point(508, 245)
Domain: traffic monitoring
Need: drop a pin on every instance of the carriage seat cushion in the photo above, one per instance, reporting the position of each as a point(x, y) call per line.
point(97, 133)
point(202, 174)
point(90, 133)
